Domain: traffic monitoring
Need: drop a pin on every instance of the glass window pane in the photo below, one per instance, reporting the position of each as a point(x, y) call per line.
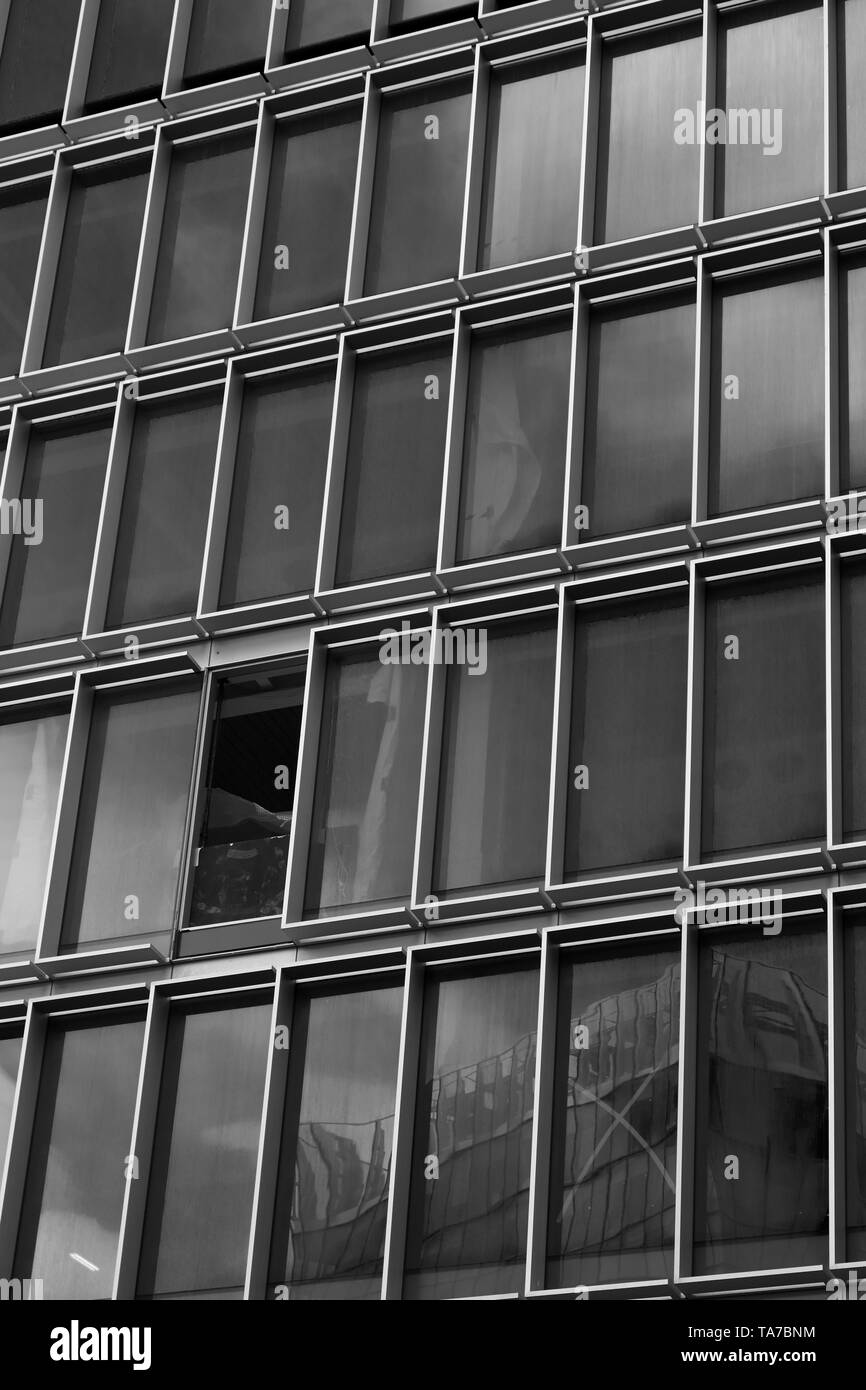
point(225, 37)
point(851, 30)
point(21, 219)
point(131, 817)
point(163, 521)
point(852, 658)
point(196, 279)
point(200, 1194)
point(647, 180)
point(770, 80)
point(10, 1053)
point(417, 208)
point(532, 171)
point(308, 212)
point(369, 771)
point(31, 760)
point(129, 51)
point(762, 1100)
point(47, 583)
point(35, 61)
point(515, 442)
point(491, 822)
point(335, 1160)
point(244, 841)
point(629, 734)
point(614, 1150)
point(76, 1177)
point(637, 448)
point(394, 465)
point(767, 406)
point(469, 1193)
point(763, 776)
point(327, 23)
point(96, 270)
point(852, 374)
point(854, 939)
point(281, 463)
point(415, 12)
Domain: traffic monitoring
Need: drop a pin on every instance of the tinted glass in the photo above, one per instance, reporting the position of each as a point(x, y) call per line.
point(417, 209)
point(414, 11)
point(163, 520)
point(335, 1161)
point(308, 217)
point(79, 1159)
point(854, 940)
point(21, 219)
point(131, 816)
point(763, 778)
point(767, 405)
point(225, 37)
point(532, 174)
point(852, 658)
point(10, 1053)
point(647, 180)
point(852, 374)
point(129, 51)
point(31, 760)
point(279, 487)
point(614, 1151)
point(394, 464)
point(469, 1195)
point(200, 1194)
point(202, 231)
point(515, 442)
point(851, 30)
point(96, 270)
point(47, 583)
point(327, 23)
point(628, 735)
point(492, 813)
point(761, 1122)
point(35, 60)
point(369, 772)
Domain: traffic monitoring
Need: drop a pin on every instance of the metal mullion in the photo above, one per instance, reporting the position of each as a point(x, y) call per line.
point(686, 1103)
point(703, 385)
point(363, 198)
point(694, 720)
point(454, 437)
point(561, 740)
point(593, 59)
point(404, 1127)
point(221, 491)
point(833, 358)
point(542, 1118)
point(332, 506)
point(196, 804)
point(46, 268)
point(835, 829)
point(13, 1175)
point(141, 1149)
point(270, 1140)
point(257, 198)
point(305, 781)
point(431, 751)
point(5, 11)
point(836, 1040)
point(151, 237)
point(65, 821)
point(11, 482)
point(706, 164)
point(830, 95)
point(576, 415)
point(177, 45)
point(473, 190)
point(109, 514)
point(82, 55)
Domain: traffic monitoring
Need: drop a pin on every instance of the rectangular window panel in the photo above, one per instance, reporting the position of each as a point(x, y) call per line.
point(515, 442)
point(615, 1117)
point(76, 1176)
point(417, 204)
point(195, 284)
point(852, 658)
point(395, 463)
point(647, 180)
point(769, 91)
point(335, 1157)
point(21, 219)
point(200, 1193)
point(336, 23)
point(226, 38)
point(767, 405)
point(131, 816)
point(308, 215)
point(491, 825)
point(244, 842)
point(411, 13)
point(278, 491)
point(369, 771)
point(47, 583)
point(163, 521)
point(637, 448)
point(35, 61)
point(761, 1101)
point(469, 1192)
point(31, 761)
point(854, 938)
point(532, 170)
point(98, 257)
point(852, 374)
point(10, 1055)
point(763, 766)
point(129, 51)
point(851, 31)
point(626, 769)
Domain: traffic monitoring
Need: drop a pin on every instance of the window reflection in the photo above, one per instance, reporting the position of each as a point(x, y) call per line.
point(21, 219)
point(10, 1055)
point(34, 61)
point(226, 38)
point(31, 760)
point(314, 25)
point(130, 48)
point(851, 31)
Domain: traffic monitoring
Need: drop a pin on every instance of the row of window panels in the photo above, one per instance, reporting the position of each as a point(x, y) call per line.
point(754, 1111)
point(408, 210)
point(253, 802)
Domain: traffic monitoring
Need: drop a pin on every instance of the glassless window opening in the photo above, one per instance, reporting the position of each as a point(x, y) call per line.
point(35, 62)
point(316, 27)
point(278, 488)
point(362, 838)
point(532, 169)
point(226, 39)
point(514, 449)
point(244, 840)
point(626, 768)
point(31, 761)
point(22, 214)
point(203, 1167)
point(615, 1117)
point(761, 1091)
point(130, 49)
point(10, 1055)
point(337, 1138)
point(851, 45)
point(637, 447)
point(469, 1192)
